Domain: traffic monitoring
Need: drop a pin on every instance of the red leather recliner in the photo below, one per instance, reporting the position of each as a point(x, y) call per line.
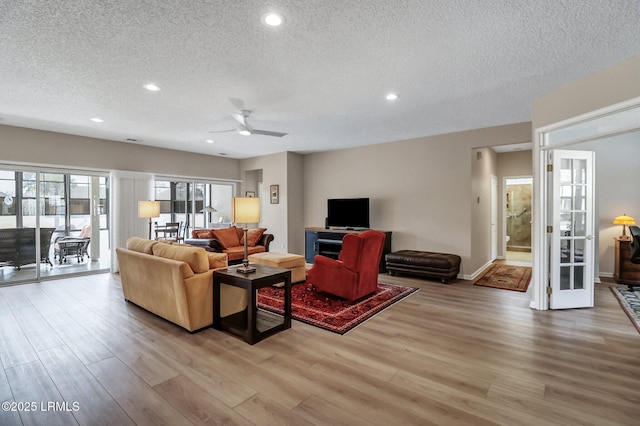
point(355, 274)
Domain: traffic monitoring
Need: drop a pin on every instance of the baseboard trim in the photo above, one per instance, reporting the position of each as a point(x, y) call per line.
point(478, 272)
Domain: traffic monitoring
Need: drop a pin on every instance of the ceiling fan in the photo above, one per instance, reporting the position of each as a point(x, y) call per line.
point(245, 129)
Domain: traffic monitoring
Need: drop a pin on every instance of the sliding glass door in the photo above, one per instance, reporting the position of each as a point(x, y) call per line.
point(197, 204)
point(52, 223)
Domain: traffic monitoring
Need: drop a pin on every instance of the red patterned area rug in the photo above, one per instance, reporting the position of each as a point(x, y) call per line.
point(330, 312)
point(507, 277)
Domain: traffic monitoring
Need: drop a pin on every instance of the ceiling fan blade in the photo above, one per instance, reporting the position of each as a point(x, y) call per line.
point(222, 131)
point(239, 118)
point(237, 103)
point(267, 133)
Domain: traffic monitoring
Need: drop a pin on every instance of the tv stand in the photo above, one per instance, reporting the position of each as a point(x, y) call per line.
point(328, 242)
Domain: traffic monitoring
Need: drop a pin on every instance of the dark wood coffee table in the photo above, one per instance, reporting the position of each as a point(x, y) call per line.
point(252, 324)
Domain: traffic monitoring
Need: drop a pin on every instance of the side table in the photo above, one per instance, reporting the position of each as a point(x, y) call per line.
point(625, 272)
point(253, 324)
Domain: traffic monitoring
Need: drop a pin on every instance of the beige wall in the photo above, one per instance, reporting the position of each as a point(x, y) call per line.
point(295, 202)
point(283, 220)
point(615, 84)
point(22, 145)
point(483, 166)
point(420, 189)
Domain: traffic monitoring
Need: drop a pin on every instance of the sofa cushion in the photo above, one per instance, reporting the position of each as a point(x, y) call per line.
point(217, 260)
point(253, 236)
point(236, 253)
point(141, 245)
point(228, 237)
point(202, 233)
point(196, 257)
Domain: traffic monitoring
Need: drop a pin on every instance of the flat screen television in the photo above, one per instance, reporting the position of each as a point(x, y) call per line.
point(348, 212)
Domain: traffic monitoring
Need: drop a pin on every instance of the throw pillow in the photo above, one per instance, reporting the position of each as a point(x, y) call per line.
point(202, 233)
point(253, 236)
point(228, 237)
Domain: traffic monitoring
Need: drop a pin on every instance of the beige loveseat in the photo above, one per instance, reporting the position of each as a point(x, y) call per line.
point(175, 282)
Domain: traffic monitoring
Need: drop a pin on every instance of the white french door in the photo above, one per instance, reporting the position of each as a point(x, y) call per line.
point(572, 242)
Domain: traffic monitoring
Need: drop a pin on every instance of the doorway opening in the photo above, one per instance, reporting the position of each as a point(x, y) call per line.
point(518, 219)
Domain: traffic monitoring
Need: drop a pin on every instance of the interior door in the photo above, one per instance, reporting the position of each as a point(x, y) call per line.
point(572, 250)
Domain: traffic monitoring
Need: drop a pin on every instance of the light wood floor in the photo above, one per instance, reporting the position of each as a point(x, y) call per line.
point(450, 355)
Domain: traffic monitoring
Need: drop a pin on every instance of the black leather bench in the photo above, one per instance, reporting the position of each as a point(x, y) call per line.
point(423, 263)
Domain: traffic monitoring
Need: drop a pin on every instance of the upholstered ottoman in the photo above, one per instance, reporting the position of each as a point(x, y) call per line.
point(424, 263)
point(295, 262)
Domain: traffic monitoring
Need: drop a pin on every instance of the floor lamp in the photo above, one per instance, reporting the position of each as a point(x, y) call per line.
point(148, 210)
point(246, 210)
point(208, 210)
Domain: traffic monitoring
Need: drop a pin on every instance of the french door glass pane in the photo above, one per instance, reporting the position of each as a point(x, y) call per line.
point(565, 278)
point(579, 171)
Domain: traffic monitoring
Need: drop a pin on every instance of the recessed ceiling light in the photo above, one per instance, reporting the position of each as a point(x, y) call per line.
point(273, 19)
point(97, 120)
point(391, 97)
point(209, 141)
point(152, 87)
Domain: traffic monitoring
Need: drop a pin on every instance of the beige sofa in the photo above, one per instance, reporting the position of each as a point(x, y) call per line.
point(175, 282)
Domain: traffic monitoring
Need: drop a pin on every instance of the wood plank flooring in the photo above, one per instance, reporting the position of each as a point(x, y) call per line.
point(454, 354)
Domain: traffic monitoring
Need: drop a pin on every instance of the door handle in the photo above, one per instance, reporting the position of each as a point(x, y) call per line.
point(590, 237)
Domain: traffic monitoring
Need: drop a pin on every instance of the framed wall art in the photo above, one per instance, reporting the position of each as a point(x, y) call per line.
point(274, 190)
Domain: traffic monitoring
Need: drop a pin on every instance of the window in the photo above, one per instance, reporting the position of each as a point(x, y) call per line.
point(184, 201)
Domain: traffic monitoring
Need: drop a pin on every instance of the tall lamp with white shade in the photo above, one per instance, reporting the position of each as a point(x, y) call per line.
point(148, 210)
point(246, 210)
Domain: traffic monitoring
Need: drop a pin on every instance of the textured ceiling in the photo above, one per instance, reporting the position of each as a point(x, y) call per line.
point(321, 77)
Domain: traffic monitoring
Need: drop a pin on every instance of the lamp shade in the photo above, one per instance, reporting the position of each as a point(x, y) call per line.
point(246, 210)
point(148, 209)
point(624, 220)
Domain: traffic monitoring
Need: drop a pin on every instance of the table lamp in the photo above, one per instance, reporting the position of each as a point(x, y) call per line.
point(246, 210)
point(148, 210)
point(624, 220)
